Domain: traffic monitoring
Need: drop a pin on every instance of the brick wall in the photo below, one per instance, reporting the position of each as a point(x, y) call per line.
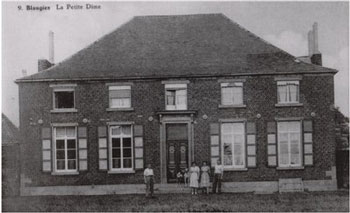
point(316, 94)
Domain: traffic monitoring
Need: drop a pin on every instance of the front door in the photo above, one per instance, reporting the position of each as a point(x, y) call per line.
point(177, 150)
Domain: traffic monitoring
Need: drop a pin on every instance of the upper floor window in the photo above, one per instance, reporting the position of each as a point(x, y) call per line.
point(120, 96)
point(288, 92)
point(176, 96)
point(121, 148)
point(65, 143)
point(63, 97)
point(232, 93)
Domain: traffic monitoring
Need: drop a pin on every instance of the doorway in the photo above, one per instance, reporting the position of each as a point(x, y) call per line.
point(176, 149)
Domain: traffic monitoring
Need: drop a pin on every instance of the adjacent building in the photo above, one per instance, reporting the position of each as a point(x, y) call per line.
point(170, 90)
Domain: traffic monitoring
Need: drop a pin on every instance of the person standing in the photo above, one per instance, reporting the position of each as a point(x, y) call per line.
point(205, 178)
point(149, 180)
point(218, 174)
point(194, 176)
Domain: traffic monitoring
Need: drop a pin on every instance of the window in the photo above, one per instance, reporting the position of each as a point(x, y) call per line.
point(232, 93)
point(288, 92)
point(119, 96)
point(65, 140)
point(233, 145)
point(176, 96)
point(121, 148)
point(289, 144)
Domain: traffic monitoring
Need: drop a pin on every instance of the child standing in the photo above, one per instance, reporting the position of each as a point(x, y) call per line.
point(186, 177)
point(194, 176)
point(149, 181)
point(179, 178)
point(205, 179)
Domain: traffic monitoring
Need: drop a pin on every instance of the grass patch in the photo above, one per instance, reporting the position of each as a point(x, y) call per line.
point(315, 201)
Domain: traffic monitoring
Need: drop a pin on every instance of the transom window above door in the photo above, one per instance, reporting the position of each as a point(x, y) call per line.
point(176, 96)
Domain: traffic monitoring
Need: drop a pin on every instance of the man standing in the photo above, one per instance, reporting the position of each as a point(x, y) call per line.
point(218, 174)
point(149, 181)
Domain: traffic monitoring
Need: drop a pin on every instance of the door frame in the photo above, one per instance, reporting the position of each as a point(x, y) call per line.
point(168, 119)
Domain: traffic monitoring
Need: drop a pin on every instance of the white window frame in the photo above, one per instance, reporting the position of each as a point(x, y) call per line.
point(121, 169)
point(228, 85)
point(65, 138)
point(289, 145)
point(233, 166)
point(176, 87)
point(286, 82)
point(114, 88)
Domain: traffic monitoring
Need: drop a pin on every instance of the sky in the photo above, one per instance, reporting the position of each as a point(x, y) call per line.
point(284, 24)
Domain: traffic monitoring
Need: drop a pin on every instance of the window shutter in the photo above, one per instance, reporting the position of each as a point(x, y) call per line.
point(46, 148)
point(271, 144)
point(82, 147)
point(251, 144)
point(138, 146)
point(102, 148)
point(308, 147)
point(214, 143)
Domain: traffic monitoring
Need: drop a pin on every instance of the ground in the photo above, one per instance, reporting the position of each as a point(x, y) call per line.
point(306, 201)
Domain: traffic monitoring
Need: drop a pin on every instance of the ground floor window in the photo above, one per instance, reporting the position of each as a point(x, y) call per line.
point(65, 140)
point(121, 148)
point(289, 144)
point(233, 145)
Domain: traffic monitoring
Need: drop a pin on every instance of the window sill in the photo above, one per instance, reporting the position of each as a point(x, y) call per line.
point(232, 106)
point(290, 168)
point(65, 173)
point(121, 171)
point(119, 109)
point(289, 105)
point(63, 110)
point(236, 169)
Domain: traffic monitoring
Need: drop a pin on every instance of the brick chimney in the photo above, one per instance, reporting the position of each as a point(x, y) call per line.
point(314, 54)
point(44, 64)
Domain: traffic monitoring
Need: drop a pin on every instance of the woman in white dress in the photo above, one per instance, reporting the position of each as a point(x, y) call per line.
point(205, 178)
point(194, 176)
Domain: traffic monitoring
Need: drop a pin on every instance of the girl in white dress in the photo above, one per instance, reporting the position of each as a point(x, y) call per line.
point(194, 176)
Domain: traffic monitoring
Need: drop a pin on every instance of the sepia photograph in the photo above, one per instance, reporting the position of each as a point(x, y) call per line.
point(175, 106)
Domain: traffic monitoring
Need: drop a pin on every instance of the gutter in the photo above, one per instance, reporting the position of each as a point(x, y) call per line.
point(331, 71)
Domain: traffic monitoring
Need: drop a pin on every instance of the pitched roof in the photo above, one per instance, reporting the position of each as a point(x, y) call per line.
point(9, 132)
point(181, 45)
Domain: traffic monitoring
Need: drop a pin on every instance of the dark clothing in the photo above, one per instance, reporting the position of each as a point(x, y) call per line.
point(149, 185)
point(217, 183)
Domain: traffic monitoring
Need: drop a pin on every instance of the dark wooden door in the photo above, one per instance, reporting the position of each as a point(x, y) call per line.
point(177, 150)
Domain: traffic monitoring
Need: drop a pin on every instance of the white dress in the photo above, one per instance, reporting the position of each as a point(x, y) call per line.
point(194, 176)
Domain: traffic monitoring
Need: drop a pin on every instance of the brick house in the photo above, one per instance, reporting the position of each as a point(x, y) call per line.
point(169, 90)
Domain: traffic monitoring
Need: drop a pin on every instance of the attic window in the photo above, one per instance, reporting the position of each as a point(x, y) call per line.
point(63, 97)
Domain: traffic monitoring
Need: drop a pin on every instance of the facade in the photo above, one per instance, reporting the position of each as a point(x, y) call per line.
point(169, 90)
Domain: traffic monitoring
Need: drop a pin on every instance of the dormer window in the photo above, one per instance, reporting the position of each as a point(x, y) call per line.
point(288, 92)
point(176, 96)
